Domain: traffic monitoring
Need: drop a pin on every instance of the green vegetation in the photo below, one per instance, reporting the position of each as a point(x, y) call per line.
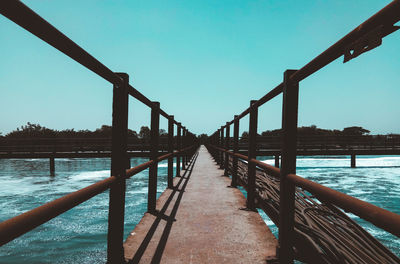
point(315, 131)
point(31, 130)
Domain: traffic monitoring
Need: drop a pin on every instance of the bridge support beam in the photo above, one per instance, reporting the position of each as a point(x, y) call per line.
point(116, 213)
point(288, 166)
point(52, 165)
point(251, 171)
point(353, 160)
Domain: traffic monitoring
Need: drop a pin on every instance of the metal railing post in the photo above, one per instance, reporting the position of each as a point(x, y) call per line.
point(116, 213)
point(154, 139)
point(251, 171)
point(277, 160)
point(170, 150)
point(226, 171)
point(184, 146)
point(52, 165)
point(187, 144)
point(217, 143)
point(235, 150)
point(353, 160)
point(221, 145)
point(288, 166)
point(178, 146)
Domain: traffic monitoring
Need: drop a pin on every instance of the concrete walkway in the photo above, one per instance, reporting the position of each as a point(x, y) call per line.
point(199, 221)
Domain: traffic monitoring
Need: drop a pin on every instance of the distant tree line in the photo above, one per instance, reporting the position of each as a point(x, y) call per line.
point(315, 131)
point(31, 130)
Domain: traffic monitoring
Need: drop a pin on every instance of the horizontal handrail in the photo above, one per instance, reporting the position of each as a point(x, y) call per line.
point(270, 95)
point(270, 169)
point(380, 217)
point(387, 16)
point(260, 138)
point(25, 17)
point(132, 171)
point(25, 222)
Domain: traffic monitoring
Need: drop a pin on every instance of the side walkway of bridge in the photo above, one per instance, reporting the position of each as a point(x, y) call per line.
point(200, 221)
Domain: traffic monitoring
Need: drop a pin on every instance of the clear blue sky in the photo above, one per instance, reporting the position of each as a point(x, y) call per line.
point(203, 60)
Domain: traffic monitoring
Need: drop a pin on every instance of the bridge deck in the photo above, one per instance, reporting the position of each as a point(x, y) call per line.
point(199, 221)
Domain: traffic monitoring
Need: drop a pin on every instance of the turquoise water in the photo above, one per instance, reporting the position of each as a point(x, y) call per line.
point(80, 235)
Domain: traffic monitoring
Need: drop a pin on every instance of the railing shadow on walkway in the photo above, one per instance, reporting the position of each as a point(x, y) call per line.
point(160, 215)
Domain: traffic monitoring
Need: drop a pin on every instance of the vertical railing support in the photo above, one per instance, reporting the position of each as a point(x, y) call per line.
point(154, 139)
point(288, 166)
point(277, 160)
point(187, 144)
point(178, 146)
point(214, 142)
point(218, 142)
point(251, 171)
point(170, 150)
point(226, 171)
point(128, 162)
point(353, 160)
point(235, 150)
point(184, 146)
point(221, 145)
point(115, 250)
point(52, 165)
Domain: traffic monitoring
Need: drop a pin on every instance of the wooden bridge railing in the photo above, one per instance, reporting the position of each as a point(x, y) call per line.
point(363, 38)
point(185, 145)
point(35, 145)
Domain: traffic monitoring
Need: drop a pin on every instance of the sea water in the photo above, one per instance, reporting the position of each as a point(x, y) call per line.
point(80, 235)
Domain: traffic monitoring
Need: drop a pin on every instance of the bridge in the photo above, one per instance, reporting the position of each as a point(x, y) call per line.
point(56, 148)
point(198, 218)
